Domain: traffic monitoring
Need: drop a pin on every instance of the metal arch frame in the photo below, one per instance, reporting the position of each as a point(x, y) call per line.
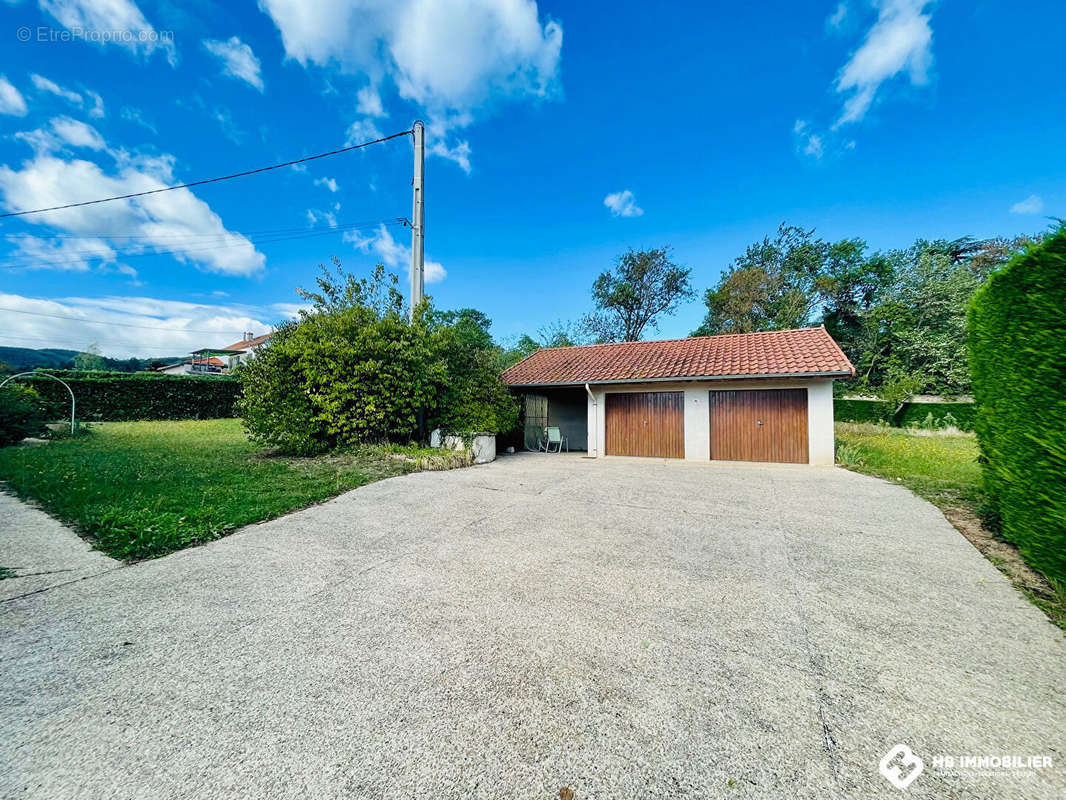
point(6, 381)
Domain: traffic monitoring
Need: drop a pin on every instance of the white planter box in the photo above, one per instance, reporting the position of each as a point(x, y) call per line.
point(483, 445)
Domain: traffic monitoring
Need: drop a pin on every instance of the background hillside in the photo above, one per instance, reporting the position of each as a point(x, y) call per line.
point(25, 358)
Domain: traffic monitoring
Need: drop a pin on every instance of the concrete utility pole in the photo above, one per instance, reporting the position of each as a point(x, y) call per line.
point(418, 219)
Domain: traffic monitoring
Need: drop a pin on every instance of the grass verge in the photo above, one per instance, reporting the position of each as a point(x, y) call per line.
point(942, 467)
point(144, 489)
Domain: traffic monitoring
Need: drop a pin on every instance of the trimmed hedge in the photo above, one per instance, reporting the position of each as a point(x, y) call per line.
point(119, 397)
point(1017, 340)
point(912, 413)
point(21, 414)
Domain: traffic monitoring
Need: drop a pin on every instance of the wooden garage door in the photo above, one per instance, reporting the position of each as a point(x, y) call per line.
point(759, 425)
point(646, 424)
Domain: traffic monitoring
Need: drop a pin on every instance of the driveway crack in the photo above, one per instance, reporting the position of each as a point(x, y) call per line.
point(817, 667)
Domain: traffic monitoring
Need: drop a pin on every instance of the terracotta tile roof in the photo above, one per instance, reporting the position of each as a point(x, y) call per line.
point(248, 344)
point(805, 351)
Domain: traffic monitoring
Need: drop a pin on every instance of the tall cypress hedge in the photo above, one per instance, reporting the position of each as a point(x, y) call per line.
point(118, 396)
point(1017, 340)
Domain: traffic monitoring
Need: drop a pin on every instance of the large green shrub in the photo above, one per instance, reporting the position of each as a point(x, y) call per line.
point(121, 397)
point(354, 369)
point(22, 414)
point(338, 377)
point(1017, 340)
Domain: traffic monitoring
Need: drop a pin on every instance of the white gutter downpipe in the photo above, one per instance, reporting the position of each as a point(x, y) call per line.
point(596, 423)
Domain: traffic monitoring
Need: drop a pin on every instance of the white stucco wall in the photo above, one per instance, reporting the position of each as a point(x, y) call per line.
point(697, 418)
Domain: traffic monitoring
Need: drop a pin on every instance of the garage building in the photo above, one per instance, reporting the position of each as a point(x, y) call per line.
point(738, 397)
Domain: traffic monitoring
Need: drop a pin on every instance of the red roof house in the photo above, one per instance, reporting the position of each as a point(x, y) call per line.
point(763, 396)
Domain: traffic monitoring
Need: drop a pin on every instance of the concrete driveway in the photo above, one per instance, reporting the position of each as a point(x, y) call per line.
point(626, 629)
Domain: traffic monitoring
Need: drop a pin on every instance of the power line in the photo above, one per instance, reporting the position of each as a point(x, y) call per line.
point(208, 180)
point(28, 261)
point(115, 235)
point(119, 324)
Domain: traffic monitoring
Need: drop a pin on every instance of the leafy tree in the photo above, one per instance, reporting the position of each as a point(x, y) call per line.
point(354, 369)
point(899, 315)
point(469, 396)
point(917, 326)
point(993, 254)
point(899, 389)
point(339, 290)
point(774, 285)
point(643, 286)
point(849, 288)
point(89, 359)
point(554, 334)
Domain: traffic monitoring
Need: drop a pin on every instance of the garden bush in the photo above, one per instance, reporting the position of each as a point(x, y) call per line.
point(355, 370)
point(338, 378)
point(122, 397)
point(1017, 341)
point(22, 414)
point(470, 397)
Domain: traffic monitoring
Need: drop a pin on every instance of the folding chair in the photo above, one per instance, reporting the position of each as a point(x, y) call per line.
point(555, 438)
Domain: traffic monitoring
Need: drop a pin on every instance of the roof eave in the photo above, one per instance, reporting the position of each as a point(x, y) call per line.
point(691, 378)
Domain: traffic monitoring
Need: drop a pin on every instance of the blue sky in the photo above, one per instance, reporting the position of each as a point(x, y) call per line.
point(559, 134)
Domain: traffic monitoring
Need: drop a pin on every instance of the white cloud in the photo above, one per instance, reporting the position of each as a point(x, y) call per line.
point(111, 16)
point(362, 130)
point(64, 132)
point(135, 116)
point(314, 216)
point(90, 100)
point(393, 254)
point(97, 110)
point(1033, 204)
point(165, 332)
point(800, 126)
point(438, 131)
point(368, 102)
point(623, 204)
point(70, 255)
point(229, 128)
point(43, 84)
point(448, 55)
point(290, 310)
point(329, 183)
point(835, 21)
point(451, 57)
point(77, 133)
point(813, 147)
point(238, 60)
point(176, 222)
point(901, 40)
point(459, 153)
point(11, 99)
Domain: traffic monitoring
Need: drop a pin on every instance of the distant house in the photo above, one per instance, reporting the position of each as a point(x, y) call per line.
point(218, 361)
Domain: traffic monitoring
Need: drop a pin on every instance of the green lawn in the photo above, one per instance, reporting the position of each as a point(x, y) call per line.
point(940, 467)
point(143, 489)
